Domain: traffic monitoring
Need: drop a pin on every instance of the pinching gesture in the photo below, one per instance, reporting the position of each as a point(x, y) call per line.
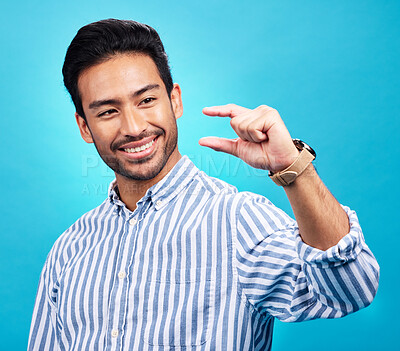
point(263, 139)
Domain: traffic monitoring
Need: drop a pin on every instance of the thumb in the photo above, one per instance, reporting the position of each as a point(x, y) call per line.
point(220, 144)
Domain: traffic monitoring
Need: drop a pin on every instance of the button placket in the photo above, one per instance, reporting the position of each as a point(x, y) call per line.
point(118, 303)
point(133, 228)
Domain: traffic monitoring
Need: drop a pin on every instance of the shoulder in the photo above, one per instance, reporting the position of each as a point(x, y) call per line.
point(257, 211)
point(258, 206)
point(244, 204)
point(81, 227)
point(213, 186)
point(67, 244)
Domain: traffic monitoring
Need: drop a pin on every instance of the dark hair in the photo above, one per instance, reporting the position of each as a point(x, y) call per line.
point(99, 41)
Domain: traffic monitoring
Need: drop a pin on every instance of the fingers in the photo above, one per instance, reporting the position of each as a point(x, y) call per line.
point(253, 126)
point(220, 144)
point(250, 128)
point(230, 110)
point(249, 125)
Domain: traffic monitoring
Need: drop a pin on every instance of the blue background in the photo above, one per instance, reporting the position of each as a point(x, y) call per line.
point(330, 68)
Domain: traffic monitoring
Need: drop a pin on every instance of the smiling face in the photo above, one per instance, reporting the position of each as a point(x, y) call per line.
point(130, 117)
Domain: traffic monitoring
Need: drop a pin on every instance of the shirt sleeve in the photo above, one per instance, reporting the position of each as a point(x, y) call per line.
point(42, 334)
point(281, 275)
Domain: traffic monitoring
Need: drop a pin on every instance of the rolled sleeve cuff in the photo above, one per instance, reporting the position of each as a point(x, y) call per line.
point(347, 249)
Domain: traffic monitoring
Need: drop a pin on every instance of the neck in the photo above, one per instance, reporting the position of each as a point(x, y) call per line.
point(131, 191)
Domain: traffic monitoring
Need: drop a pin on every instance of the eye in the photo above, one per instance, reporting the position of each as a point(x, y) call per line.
point(107, 113)
point(147, 101)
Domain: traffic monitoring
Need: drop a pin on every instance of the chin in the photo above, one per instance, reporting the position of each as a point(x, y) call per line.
point(145, 170)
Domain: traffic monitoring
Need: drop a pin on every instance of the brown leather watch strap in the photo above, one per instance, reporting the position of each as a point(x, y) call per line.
point(289, 174)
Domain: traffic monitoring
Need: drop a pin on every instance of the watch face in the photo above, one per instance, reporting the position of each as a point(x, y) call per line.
point(302, 145)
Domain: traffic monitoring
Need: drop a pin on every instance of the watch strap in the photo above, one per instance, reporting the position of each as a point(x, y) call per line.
point(289, 174)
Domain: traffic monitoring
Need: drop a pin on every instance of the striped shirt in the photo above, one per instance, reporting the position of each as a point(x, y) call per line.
point(197, 265)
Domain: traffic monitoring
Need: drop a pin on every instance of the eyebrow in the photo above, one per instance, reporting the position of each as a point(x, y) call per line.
point(98, 103)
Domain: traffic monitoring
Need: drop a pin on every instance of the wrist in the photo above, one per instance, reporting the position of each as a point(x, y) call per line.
point(284, 162)
point(308, 174)
point(286, 176)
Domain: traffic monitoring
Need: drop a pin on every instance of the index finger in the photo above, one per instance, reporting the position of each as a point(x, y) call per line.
point(230, 110)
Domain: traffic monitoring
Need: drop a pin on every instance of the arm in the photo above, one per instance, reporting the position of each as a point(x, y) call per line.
point(319, 267)
point(281, 275)
point(321, 219)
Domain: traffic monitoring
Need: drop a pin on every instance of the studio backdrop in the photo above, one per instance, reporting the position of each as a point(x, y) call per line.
point(331, 69)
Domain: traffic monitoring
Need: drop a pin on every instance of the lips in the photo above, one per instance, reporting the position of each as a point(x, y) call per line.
point(138, 144)
point(139, 149)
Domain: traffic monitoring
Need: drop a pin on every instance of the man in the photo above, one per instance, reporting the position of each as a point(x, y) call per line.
point(174, 258)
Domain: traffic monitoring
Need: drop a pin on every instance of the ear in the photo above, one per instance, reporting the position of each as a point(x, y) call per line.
point(84, 128)
point(176, 100)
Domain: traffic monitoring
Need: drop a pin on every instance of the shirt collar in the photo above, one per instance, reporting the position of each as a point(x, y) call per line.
point(166, 189)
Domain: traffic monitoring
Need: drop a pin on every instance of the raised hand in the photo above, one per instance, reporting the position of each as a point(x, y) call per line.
point(263, 139)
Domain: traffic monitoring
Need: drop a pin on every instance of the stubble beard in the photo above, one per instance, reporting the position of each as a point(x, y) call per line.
point(118, 166)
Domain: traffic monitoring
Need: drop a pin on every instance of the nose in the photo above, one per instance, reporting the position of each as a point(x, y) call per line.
point(132, 123)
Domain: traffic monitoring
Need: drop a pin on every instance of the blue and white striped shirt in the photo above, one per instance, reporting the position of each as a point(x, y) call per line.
point(197, 265)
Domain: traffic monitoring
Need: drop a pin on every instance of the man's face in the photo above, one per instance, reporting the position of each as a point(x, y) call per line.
point(129, 116)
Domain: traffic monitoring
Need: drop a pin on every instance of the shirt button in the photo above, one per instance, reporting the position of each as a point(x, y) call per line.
point(114, 333)
point(121, 275)
point(159, 203)
point(132, 221)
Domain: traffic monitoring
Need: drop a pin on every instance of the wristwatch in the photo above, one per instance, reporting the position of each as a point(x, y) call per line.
point(289, 174)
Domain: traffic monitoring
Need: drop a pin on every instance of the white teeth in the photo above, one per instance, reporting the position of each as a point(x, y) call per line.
point(140, 148)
